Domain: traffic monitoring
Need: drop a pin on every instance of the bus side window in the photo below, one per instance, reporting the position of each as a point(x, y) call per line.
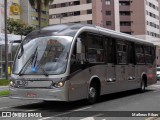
point(131, 53)
point(95, 51)
point(110, 50)
point(140, 58)
point(121, 48)
point(148, 54)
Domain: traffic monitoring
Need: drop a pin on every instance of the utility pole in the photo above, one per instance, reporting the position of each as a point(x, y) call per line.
point(60, 18)
point(6, 39)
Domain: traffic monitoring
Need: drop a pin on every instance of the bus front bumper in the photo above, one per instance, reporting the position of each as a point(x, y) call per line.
point(57, 94)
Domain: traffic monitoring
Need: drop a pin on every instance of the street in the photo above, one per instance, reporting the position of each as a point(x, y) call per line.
point(118, 104)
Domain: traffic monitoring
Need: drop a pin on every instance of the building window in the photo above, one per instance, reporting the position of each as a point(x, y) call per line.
point(89, 1)
point(108, 23)
point(76, 2)
point(63, 4)
point(125, 23)
point(108, 12)
point(71, 14)
point(64, 15)
point(76, 13)
point(108, 2)
point(126, 13)
point(89, 21)
point(124, 3)
point(89, 11)
point(52, 6)
point(127, 33)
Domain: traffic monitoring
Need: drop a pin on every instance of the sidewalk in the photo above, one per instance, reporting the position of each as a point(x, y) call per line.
point(4, 88)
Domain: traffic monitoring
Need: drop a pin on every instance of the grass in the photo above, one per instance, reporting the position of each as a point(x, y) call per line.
point(4, 93)
point(4, 82)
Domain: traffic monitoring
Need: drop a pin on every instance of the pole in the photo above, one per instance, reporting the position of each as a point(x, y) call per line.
point(6, 39)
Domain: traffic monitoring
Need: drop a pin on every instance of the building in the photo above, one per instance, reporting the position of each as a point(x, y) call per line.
point(30, 15)
point(13, 11)
point(67, 11)
point(136, 17)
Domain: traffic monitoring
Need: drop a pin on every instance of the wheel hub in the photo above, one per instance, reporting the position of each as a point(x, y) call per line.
point(92, 92)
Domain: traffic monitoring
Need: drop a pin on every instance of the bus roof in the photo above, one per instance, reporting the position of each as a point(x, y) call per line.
point(71, 29)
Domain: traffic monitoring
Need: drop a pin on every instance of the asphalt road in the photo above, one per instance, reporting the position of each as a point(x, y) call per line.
point(119, 106)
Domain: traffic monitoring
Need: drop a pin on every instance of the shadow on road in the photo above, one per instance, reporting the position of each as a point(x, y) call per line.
point(119, 95)
point(69, 106)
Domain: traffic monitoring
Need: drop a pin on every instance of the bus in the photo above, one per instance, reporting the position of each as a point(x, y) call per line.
point(69, 62)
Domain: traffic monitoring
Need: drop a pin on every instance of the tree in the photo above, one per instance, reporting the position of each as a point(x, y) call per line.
point(39, 4)
point(18, 27)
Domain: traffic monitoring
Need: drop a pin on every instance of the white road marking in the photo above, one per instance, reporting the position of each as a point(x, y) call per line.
point(83, 108)
point(30, 110)
point(151, 118)
point(92, 117)
point(88, 118)
point(45, 118)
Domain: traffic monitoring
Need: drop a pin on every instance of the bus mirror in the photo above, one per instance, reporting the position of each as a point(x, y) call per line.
point(79, 45)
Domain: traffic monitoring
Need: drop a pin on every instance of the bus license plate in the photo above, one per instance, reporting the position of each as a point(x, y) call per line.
point(31, 94)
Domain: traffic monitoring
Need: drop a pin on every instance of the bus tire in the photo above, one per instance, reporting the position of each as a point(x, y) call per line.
point(143, 85)
point(92, 93)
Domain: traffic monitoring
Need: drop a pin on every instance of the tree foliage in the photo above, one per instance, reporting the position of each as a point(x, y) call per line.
point(18, 27)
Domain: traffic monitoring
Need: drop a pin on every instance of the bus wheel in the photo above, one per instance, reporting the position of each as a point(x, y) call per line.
point(92, 93)
point(143, 86)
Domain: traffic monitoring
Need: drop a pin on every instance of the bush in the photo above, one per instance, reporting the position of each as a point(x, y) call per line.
point(4, 82)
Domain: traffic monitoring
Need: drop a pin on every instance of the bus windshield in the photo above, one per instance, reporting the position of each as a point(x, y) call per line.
point(43, 56)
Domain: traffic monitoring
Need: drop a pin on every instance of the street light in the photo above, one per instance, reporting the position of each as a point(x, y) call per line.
point(61, 18)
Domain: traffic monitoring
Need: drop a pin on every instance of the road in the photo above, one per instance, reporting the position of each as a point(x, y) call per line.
point(119, 106)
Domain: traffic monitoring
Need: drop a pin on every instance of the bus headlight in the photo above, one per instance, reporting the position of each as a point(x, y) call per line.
point(59, 84)
point(12, 84)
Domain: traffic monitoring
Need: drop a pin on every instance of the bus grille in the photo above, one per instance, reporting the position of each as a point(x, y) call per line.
point(33, 84)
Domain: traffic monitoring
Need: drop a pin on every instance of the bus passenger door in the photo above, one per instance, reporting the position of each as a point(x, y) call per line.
point(78, 70)
point(110, 67)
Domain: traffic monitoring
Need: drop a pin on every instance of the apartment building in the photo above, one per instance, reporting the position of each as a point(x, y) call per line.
point(67, 11)
point(13, 11)
point(136, 17)
point(30, 15)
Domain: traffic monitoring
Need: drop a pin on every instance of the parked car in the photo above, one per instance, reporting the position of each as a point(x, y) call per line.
point(158, 73)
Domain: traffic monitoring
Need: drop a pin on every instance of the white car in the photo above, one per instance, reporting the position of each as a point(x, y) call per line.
point(158, 73)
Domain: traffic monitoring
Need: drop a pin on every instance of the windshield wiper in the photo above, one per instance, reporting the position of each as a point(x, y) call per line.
point(39, 65)
point(30, 60)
